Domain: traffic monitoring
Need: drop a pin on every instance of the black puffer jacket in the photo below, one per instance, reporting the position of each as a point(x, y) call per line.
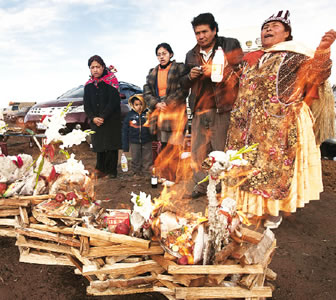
point(135, 126)
point(103, 101)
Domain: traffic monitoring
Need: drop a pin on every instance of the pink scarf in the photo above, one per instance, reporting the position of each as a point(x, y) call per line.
point(109, 79)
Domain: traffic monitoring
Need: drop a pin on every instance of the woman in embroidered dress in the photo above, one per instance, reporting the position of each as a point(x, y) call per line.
point(167, 102)
point(276, 85)
point(102, 106)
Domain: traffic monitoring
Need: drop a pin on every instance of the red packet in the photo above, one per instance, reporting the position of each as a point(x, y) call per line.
point(115, 217)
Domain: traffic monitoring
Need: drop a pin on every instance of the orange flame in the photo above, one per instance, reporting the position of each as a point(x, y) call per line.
point(172, 119)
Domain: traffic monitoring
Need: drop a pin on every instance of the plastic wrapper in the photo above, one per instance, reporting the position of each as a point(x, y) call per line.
point(29, 185)
point(137, 220)
point(65, 183)
point(14, 188)
point(15, 167)
point(41, 188)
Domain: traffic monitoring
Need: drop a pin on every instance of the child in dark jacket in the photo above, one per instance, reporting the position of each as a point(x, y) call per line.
point(136, 136)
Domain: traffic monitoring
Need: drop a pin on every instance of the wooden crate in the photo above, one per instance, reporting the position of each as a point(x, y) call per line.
point(175, 281)
point(118, 264)
point(120, 275)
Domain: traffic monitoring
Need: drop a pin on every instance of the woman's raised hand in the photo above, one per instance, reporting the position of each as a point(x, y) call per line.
point(327, 40)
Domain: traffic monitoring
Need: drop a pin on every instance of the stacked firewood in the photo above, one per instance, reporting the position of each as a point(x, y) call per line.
point(240, 272)
point(117, 264)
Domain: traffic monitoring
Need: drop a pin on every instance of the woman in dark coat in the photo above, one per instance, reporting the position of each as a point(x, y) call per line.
point(102, 106)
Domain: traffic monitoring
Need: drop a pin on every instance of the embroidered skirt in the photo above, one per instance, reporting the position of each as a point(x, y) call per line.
point(307, 180)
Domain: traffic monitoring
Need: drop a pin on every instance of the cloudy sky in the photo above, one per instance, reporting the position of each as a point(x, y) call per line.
point(45, 44)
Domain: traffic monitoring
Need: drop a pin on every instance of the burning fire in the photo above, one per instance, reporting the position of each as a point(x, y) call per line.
point(168, 162)
point(181, 232)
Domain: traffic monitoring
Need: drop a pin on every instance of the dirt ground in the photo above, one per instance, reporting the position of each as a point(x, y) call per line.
point(305, 260)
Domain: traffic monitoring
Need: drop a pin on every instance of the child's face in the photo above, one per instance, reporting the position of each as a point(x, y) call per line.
point(137, 106)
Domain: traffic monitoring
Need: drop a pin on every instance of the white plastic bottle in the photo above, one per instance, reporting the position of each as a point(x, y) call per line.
point(123, 161)
point(218, 64)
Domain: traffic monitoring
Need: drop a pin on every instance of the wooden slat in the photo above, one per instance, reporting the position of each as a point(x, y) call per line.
point(112, 237)
point(24, 215)
point(45, 259)
point(123, 268)
point(165, 277)
point(8, 207)
point(216, 269)
point(54, 216)
point(100, 243)
point(34, 197)
point(215, 280)
point(221, 292)
point(131, 259)
point(168, 256)
point(170, 285)
point(14, 202)
point(119, 250)
point(26, 200)
point(9, 222)
point(110, 260)
point(84, 260)
point(84, 245)
point(64, 230)
point(154, 271)
point(8, 232)
point(270, 274)
point(119, 291)
point(163, 290)
point(164, 263)
point(24, 242)
point(251, 236)
point(170, 297)
point(9, 212)
point(41, 218)
point(59, 238)
point(122, 283)
point(185, 279)
point(79, 265)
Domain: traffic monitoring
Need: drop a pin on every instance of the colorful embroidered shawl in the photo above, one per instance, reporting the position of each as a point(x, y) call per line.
point(108, 78)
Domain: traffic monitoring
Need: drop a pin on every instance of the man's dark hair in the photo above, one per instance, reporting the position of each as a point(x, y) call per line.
point(165, 46)
point(205, 19)
point(98, 59)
